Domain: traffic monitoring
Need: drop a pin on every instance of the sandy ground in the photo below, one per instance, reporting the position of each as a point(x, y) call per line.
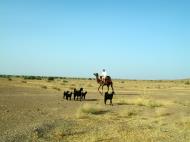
point(142, 110)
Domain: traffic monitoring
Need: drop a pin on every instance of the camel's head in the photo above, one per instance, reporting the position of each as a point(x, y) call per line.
point(96, 74)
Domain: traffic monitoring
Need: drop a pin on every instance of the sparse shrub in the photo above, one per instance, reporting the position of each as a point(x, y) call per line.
point(58, 135)
point(154, 104)
point(73, 85)
point(51, 78)
point(131, 113)
point(72, 88)
point(124, 102)
point(140, 102)
point(184, 103)
point(122, 81)
point(187, 82)
point(90, 109)
point(23, 81)
point(9, 79)
point(147, 102)
point(89, 85)
point(44, 87)
point(127, 113)
point(162, 112)
point(158, 87)
point(65, 81)
point(43, 129)
point(56, 88)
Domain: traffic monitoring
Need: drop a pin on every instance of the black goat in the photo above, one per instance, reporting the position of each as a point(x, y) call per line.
point(78, 93)
point(67, 95)
point(84, 94)
point(108, 96)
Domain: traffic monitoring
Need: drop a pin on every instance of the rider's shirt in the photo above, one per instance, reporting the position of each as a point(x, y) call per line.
point(104, 74)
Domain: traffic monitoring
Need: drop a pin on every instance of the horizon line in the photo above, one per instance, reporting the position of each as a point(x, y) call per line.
point(82, 77)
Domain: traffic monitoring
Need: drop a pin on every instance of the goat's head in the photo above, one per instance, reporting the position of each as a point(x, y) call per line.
point(106, 93)
point(70, 92)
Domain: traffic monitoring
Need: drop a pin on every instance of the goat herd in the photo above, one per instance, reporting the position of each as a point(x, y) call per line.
point(78, 94)
point(81, 95)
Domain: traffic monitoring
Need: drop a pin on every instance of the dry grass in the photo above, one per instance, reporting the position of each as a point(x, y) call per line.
point(184, 103)
point(160, 112)
point(90, 109)
point(56, 88)
point(143, 111)
point(23, 81)
point(140, 102)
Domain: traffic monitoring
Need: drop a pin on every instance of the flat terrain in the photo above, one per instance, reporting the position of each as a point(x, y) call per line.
point(148, 111)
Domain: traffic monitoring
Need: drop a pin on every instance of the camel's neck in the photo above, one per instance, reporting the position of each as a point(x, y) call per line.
point(97, 78)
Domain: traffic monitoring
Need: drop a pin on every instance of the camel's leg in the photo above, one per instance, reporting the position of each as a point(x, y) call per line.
point(112, 87)
point(99, 89)
point(102, 88)
point(108, 87)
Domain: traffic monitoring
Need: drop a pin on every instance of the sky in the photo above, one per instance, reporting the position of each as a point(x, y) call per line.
point(131, 39)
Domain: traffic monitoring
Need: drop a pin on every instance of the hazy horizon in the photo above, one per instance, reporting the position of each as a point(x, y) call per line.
point(139, 39)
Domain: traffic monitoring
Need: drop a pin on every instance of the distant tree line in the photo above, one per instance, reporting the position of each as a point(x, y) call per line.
point(49, 78)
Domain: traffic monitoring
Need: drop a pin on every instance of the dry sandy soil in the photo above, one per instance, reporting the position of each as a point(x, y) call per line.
point(149, 111)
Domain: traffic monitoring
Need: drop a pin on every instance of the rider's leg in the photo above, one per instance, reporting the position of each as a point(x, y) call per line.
point(103, 79)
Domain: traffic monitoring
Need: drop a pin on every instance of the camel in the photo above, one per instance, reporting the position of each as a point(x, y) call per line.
point(108, 82)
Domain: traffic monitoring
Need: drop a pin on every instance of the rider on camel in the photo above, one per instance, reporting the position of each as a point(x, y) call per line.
point(104, 75)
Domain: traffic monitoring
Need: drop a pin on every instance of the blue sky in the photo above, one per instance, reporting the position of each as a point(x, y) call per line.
point(133, 39)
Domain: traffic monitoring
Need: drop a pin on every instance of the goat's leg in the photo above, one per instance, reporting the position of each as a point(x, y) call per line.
point(105, 101)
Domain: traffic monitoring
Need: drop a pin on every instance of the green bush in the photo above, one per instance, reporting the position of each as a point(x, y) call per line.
point(23, 81)
point(10, 79)
point(51, 78)
point(65, 81)
point(33, 77)
point(44, 87)
point(187, 82)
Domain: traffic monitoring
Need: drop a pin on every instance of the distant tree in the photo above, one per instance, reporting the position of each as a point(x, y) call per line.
point(51, 78)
